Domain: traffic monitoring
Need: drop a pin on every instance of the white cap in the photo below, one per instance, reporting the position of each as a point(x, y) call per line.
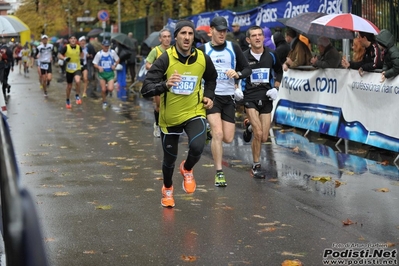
point(82, 38)
point(44, 36)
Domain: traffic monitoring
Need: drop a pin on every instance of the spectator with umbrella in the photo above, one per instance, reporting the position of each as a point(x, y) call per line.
point(299, 54)
point(386, 42)
point(282, 47)
point(372, 58)
point(329, 56)
point(124, 51)
point(131, 62)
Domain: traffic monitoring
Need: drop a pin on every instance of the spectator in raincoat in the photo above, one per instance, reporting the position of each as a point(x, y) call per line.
point(268, 42)
point(386, 42)
point(282, 47)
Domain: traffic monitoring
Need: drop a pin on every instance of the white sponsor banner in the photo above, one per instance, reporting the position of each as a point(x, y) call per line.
point(342, 103)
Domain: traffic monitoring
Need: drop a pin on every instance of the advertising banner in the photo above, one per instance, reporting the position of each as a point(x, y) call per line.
point(341, 103)
point(266, 15)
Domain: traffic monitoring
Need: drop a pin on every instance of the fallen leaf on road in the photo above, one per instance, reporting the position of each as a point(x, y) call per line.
point(49, 239)
point(339, 183)
point(296, 149)
point(188, 258)
point(268, 229)
point(286, 130)
point(390, 244)
point(384, 163)
point(112, 143)
point(348, 222)
point(103, 207)
point(129, 179)
point(107, 163)
point(89, 252)
point(321, 178)
point(273, 180)
point(61, 194)
point(29, 173)
point(286, 253)
point(268, 224)
point(384, 189)
point(291, 263)
point(347, 172)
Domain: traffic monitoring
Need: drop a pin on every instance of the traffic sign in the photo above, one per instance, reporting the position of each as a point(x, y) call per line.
point(103, 15)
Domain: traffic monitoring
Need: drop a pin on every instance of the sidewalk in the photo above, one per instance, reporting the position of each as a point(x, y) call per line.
point(96, 178)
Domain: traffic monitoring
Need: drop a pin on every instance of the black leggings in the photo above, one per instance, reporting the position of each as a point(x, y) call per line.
point(196, 132)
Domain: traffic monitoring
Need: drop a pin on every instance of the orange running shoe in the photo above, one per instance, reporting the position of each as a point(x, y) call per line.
point(68, 105)
point(188, 179)
point(167, 197)
point(78, 100)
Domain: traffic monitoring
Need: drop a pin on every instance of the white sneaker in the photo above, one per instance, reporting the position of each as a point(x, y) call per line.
point(105, 105)
point(157, 131)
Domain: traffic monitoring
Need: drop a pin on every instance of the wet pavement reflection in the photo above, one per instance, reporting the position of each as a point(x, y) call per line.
point(96, 175)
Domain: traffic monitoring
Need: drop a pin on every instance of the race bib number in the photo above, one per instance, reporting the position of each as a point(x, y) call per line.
point(106, 64)
point(72, 66)
point(186, 85)
point(260, 75)
point(222, 73)
point(44, 66)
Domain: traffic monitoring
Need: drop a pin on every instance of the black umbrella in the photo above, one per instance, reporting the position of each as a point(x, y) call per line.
point(123, 39)
point(94, 32)
point(202, 36)
point(153, 39)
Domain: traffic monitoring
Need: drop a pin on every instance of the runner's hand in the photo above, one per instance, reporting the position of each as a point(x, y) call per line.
point(208, 103)
point(272, 93)
point(238, 94)
point(174, 80)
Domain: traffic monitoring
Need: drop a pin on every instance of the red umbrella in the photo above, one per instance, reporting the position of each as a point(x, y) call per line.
point(207, 29)
point(302, 24)
point(347, 21)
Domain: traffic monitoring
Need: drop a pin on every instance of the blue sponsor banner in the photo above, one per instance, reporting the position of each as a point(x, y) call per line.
point(315, 117)
point(266, 15)
point(341, 103)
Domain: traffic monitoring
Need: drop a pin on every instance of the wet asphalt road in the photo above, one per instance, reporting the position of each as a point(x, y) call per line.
point(96, 178)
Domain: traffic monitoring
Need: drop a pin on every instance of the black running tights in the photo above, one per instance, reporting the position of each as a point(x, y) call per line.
point(196, 132)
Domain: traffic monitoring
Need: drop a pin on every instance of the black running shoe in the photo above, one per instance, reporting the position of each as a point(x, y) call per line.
point(247, 135)
point(8, 88)
point(257, 172)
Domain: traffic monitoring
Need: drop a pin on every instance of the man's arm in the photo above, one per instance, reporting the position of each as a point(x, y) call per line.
point(210, 76)
point(242, 62)
point(150, 59)
point(155, 81)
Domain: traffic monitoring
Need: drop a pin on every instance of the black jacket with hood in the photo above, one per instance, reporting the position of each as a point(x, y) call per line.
point(391, 53)
point(282, 47)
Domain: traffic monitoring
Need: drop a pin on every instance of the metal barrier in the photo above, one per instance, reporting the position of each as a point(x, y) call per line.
point(20, 229)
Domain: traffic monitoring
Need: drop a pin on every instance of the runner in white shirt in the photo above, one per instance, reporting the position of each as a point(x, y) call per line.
point(45, 58)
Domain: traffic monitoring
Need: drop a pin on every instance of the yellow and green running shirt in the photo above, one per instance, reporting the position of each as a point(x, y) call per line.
point(184, 101)
point(74, 53)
